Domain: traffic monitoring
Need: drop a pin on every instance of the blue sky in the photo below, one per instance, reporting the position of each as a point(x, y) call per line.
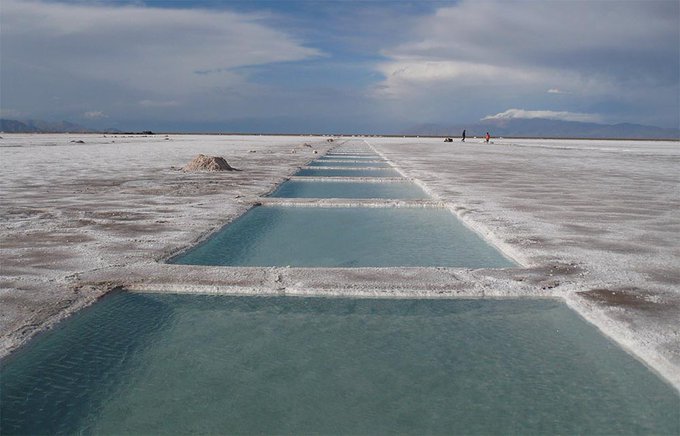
point(337, 66)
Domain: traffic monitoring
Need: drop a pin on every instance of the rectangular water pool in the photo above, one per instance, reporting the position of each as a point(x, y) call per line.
point(357, 164)
point(304, 189)
point(350, 157)
point(349, 172)
point(183, 364)
point(345, 237)
point(351, 150)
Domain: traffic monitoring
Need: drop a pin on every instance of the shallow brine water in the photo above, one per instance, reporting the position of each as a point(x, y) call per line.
point(180, 364)
point(350, 157)
point(356, 164)
point(304, 189)
point(323, 172)
point(355, 150)
point(345, 237)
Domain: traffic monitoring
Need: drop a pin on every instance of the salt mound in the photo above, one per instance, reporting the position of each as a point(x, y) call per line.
point(208, 163)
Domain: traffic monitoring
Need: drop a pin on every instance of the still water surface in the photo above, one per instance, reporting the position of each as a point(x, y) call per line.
point(345, 237)
point(355, 164)
point(311, 189)
point(349, 172)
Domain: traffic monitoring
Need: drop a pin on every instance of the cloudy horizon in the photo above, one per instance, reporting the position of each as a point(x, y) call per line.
point(323, 66)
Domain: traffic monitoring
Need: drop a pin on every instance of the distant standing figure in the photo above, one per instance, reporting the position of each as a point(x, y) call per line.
point(487, 137)
point(463, 140)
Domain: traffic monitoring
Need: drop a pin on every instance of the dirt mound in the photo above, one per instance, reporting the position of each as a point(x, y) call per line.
point(208, 163)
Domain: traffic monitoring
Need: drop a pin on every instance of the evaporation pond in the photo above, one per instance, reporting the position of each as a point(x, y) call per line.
point(351, 157)
point(357, 164)
point(324, 172)
point(188, 364)
point(345, 237)
point(310, 189)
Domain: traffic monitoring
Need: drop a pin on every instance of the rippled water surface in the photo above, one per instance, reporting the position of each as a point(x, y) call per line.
point(173, 364)
point(345, 237)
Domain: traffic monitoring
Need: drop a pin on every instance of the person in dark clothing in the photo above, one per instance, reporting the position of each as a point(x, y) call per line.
point(463, 140)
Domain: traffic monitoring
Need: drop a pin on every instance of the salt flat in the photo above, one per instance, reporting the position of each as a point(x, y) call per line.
point(593, 222)
point(115, 201)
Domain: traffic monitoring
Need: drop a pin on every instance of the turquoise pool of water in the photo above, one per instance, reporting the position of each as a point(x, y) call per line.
point(350, 153)
point(355, 150)
point(356, 164)
point(311, 189)
point(321, 172)
point(350, 157)
point(182, 364)
point(345, 237)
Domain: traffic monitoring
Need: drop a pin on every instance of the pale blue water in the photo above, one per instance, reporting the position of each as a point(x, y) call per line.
point(350, 157)
point(345, 237)
point(357, 164)
point(311, 189)
point(321, 172)
point(353, 155)
point(174, 364)
point(364, 150)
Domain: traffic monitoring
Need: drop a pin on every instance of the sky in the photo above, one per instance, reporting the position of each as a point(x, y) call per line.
point(337, 66)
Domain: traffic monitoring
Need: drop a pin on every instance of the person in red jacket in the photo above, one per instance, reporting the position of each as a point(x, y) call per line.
point(487, 137)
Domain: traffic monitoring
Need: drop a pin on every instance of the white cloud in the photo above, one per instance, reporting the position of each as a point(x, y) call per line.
point(94, 115)
point(406, 75)
point(146, 49)
point(482, 56)
point(550, 115)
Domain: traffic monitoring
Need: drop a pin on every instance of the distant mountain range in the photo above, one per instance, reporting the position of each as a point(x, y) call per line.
point(546, 128)
point(509, 127)
point(39, 126)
